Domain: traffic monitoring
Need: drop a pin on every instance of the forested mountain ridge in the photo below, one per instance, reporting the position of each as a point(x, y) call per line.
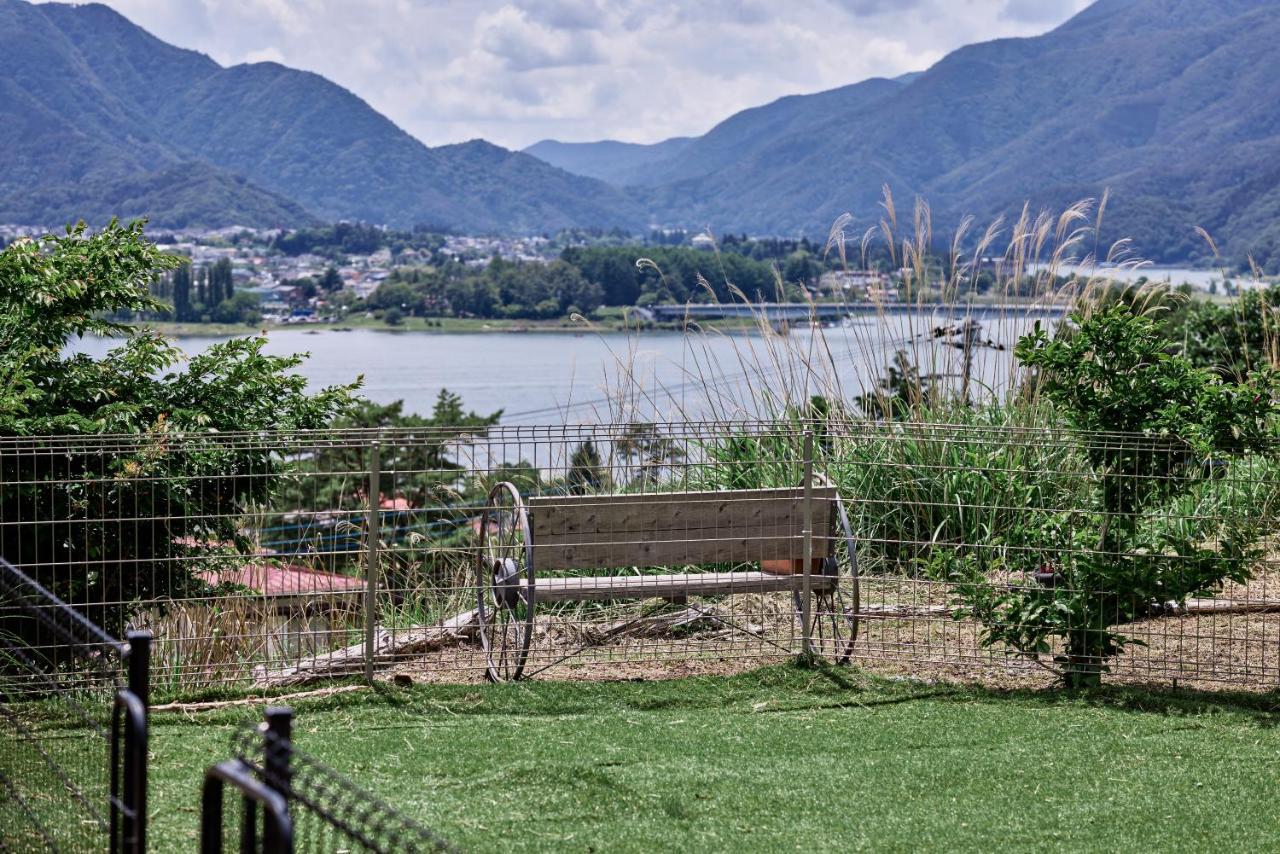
point(1173, 104)
point(87, 95)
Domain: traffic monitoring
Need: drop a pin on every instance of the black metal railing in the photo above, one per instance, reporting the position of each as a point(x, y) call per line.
point(73, 725)
point(305, 805)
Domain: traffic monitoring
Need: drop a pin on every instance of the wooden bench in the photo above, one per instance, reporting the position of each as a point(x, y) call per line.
point(569, 534)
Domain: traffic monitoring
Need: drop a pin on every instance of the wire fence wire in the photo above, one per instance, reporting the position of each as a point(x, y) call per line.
point(648, 549)
point(73, 765)
point(325, 811)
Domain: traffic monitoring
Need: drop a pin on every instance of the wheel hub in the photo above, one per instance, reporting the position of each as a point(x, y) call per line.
point(506, 583)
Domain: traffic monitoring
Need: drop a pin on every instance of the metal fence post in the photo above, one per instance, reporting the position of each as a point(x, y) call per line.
point(806, 590)
point(275, 763)
point(140, 666)
point(135, 746)
point(371, 557)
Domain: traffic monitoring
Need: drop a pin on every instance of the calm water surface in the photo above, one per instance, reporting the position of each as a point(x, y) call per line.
point(550, 377)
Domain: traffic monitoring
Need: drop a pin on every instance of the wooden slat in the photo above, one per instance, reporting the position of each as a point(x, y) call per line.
point(669, 586)
point(677, 528)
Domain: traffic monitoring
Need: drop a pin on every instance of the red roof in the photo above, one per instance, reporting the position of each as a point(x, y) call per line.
point(288, 580)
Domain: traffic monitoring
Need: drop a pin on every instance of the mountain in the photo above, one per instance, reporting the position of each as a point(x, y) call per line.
point(87, 98)
point(182, 195)
point(1172, 104)
point(733, 140)
point(618, 163)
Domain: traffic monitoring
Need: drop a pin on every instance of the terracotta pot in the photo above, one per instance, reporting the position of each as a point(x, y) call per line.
point(790, 566)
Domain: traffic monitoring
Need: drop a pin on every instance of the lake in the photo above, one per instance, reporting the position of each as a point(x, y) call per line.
point(1199, 278)
point(555, 377)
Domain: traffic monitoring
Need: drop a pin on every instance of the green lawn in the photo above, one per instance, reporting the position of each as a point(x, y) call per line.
point(782, 758)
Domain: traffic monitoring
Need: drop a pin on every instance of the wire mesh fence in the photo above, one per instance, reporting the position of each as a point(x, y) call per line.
point(73, 726)
point(289, 801)
point(634, 550)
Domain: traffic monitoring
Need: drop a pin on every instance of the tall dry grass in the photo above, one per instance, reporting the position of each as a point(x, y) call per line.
point(1037, 267)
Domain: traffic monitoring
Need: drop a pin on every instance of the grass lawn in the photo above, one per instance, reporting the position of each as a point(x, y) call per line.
point(780, 759)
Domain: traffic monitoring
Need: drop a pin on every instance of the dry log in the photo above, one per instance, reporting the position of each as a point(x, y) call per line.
point(1195, 607)
point(389, 646)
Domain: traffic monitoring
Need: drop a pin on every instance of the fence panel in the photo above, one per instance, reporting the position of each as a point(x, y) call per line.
point(304, 804)
point(73, 719)
point(1013, 552)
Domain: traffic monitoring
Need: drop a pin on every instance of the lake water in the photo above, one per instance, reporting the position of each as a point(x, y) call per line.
point(553, 377)
point(1198, 278)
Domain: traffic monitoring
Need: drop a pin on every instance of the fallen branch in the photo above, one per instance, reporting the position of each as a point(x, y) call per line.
point(1194, 607)
point(251, 701)
point(389, 646)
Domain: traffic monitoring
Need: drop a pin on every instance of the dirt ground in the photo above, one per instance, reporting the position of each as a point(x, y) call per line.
point(905, 629)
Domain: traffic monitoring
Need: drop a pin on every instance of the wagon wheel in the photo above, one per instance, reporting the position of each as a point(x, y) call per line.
point(504, 584)
point(835, 612)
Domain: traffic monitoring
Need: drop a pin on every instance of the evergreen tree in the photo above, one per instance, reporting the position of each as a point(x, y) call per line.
point(221, 282)
point(202, 287)
point(586, 473)
point(332, 281)
point(182, 293)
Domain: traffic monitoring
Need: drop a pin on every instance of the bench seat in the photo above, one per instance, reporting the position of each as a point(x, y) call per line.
point(672, 586)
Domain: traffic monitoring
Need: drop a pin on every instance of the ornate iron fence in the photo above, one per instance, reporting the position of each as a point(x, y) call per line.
point(73, 721)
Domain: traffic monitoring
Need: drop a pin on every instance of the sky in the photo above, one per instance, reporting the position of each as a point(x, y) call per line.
point(517, 71)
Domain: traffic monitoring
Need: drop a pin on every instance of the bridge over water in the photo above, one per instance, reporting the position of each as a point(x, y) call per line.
point(775, 312)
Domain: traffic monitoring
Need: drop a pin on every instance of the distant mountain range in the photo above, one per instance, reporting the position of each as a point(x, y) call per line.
point(1173, 104)
point(97, 116)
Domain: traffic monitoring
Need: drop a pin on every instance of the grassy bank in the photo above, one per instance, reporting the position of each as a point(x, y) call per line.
point(781, 758)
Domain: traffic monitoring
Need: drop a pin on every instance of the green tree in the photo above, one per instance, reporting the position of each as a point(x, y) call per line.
point(144, 512)
point(331, 281)
point(182, 292)
point(243, 307)
point(1169, 445)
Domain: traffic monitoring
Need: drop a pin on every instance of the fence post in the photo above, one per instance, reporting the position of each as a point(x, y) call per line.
point(806, 590)
point(140, 666)
point(135, 747)
point(371, 557)
point(275, 763)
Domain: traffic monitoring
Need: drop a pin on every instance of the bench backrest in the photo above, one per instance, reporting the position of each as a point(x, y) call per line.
point(676, 528)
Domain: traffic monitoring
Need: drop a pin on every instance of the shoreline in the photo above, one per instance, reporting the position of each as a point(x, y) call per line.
point(432, 326)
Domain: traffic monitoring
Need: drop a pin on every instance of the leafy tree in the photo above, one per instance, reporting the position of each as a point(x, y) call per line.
point(243, 307)
point(144, 511)
point(1231, 339)
point(1169, 445)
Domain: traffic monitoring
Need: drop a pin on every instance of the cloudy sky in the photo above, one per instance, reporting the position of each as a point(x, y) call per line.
point(516, 71)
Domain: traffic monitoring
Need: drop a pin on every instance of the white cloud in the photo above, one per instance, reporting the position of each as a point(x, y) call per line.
point(515, 71)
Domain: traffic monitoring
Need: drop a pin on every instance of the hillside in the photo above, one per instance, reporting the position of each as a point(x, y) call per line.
point(86, 95)
point(618, 163)
point(734, 140)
